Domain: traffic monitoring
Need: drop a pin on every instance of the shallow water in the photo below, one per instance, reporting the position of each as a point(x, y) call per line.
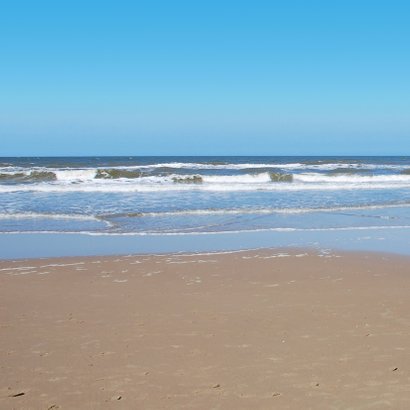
point(35, 245)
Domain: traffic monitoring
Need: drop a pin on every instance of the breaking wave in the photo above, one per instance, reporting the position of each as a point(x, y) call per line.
point(121, 180)
point(117, 173)
point(194, 179)
point(27, 177)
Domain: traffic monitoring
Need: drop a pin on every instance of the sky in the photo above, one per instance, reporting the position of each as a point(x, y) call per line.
point(291, 77)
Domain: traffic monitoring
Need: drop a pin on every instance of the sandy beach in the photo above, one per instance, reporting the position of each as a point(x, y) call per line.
point(264, 329)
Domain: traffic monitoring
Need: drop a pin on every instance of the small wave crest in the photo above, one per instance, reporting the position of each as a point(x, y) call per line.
point(114, 173)
point(279, 177)
point(194, 179)
point(348, 171)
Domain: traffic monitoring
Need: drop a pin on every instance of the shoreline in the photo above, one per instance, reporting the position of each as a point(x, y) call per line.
point(284, 328)
point(46, 245)
point(287, 251)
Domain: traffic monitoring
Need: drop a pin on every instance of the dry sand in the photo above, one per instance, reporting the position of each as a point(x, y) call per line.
point(263, 330)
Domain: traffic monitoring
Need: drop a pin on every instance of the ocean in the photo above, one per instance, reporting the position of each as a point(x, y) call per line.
point(199, 195)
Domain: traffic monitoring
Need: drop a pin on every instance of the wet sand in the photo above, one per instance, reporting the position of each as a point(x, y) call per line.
point(263, 329)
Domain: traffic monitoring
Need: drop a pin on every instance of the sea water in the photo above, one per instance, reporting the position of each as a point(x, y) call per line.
point(191, 196)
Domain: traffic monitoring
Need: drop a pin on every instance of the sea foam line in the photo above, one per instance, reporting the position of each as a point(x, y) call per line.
point(36, 215)
point(207, 187)
point(155, 234)
point(104, 218)
point(250, 211)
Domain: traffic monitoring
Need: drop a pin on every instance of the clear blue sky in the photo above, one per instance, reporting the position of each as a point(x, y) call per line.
point(204, 77)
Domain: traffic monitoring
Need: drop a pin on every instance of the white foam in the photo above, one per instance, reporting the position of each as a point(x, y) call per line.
point(14, 171)
point(351, 179)
point(73, 175)
point(204, 166)
point(37, 215)
point(289, 166)
point(306, 183)
point(263, 177)
point(266, 211)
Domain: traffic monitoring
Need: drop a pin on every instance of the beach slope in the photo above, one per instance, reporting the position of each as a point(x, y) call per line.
point(264, 329)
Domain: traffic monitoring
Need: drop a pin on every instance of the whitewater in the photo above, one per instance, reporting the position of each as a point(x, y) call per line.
point(177, 195)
